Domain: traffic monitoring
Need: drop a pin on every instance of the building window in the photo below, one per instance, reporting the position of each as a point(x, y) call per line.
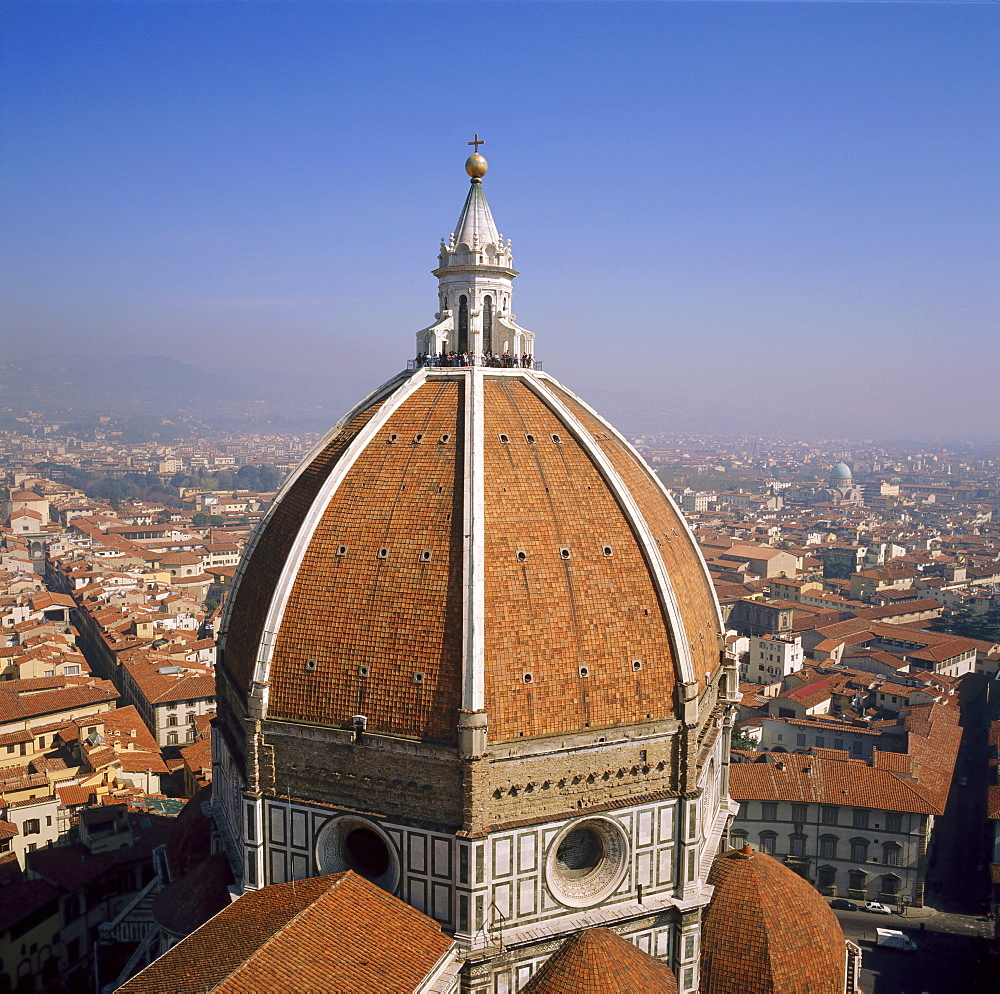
point(856, 748)
point(829, 814)
point(800, 740)
point(893, 821)
point(768, 811)
point(171, 720)
point(171, 738)
point(737, 839)
point(890, 885)
point(860, 818)
point(32, 827)
point(892, 854)
point(767, 842)
point(798, 812)
point(857, 883)
point(820, 741)
point(797, 845)
point(859, 850)
point(838, 743)
point(826, 877)
point(828, 846)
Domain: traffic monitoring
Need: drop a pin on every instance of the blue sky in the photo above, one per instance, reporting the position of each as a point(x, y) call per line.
point(759, 216)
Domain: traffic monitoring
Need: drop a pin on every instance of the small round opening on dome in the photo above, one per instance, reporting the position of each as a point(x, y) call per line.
point(527, 677)
point(366, 853)
point(608, 551)
point(341, 550)
point(584, 671)
point(425, 556)
point(557, 439)
point(579, 854)
point(521, 555)
point(418, 438)
point(445, 439)
point(393, 437)
point(418, 677)
point(636, 665)
point(504, 438)
point(363, 670)
point(530, 439)
point(564, 553)
point(383, 553)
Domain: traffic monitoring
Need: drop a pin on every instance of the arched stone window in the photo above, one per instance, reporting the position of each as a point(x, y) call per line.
point(892, 854)
point(796, 845)
point(737, 839)
point(859, 850)
point(488, 324)
point(828, 846)
point(463, 324)
point(768, 842)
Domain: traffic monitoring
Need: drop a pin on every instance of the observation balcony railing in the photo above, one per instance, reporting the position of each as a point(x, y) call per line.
point(468, 359)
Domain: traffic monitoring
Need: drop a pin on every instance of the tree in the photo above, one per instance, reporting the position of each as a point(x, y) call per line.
point(740, 740)
point(201, 520)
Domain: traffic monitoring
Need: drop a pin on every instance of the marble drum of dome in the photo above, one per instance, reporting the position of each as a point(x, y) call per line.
point(586, 862)
point(359, 845)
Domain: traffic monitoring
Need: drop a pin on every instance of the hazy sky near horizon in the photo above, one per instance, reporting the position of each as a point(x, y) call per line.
point(757, 216)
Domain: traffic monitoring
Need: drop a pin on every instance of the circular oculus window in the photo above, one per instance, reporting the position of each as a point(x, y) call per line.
point(358, 845)
point(586, 862)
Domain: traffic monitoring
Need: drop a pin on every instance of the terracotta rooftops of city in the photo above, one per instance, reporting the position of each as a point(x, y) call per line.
point(336, 932)
point(768, 931)
point(476, 541)
point(598, 961)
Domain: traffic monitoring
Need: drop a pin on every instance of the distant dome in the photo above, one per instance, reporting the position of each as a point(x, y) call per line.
point(767, 931)
point(840, 472)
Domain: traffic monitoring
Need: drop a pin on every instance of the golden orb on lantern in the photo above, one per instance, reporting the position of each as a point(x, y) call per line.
point(476, 166)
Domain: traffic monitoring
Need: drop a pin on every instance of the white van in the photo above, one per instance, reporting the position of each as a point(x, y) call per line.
point(892, 938)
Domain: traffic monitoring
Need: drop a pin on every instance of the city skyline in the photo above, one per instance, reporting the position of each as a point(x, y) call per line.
point(772, 215)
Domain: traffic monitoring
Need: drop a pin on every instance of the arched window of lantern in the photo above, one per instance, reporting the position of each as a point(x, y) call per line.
point(487, 323)
point(463, 323)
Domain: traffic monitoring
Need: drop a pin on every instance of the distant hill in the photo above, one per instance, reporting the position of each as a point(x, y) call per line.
point(157, 385)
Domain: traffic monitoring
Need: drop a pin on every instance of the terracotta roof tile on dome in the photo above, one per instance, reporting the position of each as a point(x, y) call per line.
point(595, 602)
point(767, 931)
point(300, 936)
point(598, 961)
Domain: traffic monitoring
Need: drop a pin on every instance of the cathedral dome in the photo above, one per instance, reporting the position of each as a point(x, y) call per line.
point(840, 474)
point(471, 540)
point(768, 931)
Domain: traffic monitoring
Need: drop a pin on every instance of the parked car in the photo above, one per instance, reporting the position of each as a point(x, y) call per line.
point(963, 781)
point(878, 909)
point(841, 905)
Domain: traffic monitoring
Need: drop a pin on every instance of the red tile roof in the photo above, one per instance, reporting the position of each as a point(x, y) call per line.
point(298, 936)
point(767, 930)
point(597, 961)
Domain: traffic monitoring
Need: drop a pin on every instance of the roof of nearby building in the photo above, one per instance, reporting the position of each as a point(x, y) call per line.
point(297, 936)
point(767, 930)
point(598, 961)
